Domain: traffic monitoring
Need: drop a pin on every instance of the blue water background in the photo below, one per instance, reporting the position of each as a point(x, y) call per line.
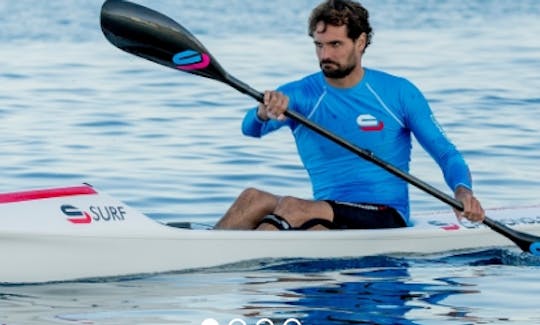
point(75, 109)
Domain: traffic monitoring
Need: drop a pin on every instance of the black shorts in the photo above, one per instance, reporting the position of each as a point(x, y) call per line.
point(365, 216)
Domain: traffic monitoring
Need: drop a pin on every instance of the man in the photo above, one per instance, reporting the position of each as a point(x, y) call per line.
point(371, 109)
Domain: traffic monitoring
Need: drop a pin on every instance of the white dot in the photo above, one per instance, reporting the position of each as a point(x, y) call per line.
point(209, 321)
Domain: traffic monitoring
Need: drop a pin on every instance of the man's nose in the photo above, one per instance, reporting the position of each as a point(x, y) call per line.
point(324, 53)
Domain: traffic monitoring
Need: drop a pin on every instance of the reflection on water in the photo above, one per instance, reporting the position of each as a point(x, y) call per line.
point(463, 288)
point(386, 290)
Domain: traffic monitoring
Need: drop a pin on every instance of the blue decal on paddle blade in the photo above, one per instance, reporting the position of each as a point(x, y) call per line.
point(535, 248)
point(187, 57)
point(190, 60)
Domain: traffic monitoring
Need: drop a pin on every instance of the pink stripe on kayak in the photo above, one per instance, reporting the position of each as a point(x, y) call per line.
point(45, 194)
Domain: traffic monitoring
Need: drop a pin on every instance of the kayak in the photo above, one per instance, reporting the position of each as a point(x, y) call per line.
point(77, 232)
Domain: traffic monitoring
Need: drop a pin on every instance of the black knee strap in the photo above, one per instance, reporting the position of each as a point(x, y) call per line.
point(282, 224)
point(317, 222)
point(276, 221)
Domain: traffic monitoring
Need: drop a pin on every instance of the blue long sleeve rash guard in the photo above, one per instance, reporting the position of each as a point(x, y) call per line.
point(378, 114)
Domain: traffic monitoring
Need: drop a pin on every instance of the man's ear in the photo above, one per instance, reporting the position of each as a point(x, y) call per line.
point(361, 42)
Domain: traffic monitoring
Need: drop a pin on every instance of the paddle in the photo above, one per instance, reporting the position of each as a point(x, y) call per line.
point(153, 36)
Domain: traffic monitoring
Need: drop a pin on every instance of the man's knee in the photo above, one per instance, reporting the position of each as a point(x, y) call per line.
point(286, 204)
point(250, 193)
point(254, 196)
point(298, 211)
point(291, 209)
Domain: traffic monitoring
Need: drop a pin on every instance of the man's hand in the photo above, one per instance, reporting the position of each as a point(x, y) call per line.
point(274, 106)
point(472, 209)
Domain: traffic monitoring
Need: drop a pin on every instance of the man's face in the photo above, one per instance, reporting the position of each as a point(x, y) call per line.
point(337, 53)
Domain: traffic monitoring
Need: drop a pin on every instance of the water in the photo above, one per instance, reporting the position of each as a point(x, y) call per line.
point(75, 109)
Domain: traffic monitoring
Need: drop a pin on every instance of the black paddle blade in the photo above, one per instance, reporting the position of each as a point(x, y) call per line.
point(149, 34)
point(527, 242)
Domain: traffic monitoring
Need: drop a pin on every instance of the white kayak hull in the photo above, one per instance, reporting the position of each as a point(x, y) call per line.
point(78, 233)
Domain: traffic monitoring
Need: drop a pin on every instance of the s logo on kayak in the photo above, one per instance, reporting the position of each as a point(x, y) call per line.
point(96, 213)
point(191, 60)
point(444, 225)
point(75, 215)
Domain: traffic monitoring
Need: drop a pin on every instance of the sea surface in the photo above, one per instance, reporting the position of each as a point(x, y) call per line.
point(75, 109)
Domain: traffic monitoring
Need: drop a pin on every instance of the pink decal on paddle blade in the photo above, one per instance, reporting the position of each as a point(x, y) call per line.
point(205, 61)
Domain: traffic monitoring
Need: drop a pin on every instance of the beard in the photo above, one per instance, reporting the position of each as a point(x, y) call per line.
point(339, 72)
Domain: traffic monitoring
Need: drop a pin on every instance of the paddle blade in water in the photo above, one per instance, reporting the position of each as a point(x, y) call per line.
point(154, 36)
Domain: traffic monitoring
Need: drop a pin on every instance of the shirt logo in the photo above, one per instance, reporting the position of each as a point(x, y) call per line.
point(368, 122)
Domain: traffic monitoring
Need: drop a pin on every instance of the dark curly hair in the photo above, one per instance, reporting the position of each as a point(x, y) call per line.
point(342, 12)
